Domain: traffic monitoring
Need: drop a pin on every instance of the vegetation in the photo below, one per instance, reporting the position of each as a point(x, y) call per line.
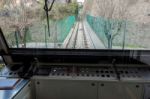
point(60, 11)
point(1, 66)
point(134, 16)
point(17, 17)
point(112, 29)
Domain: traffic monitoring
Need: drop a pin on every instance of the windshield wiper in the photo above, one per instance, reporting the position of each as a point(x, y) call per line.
point(48, 10)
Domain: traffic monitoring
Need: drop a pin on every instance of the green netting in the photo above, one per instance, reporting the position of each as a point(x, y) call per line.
point(58, 30)
point(37, 33)
point(116, 33)
point(106, 29)
point(63, 27)
point(97, 24)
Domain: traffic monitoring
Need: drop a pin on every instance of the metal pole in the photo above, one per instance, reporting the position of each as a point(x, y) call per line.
point(16, 37)
point(55, 37)
point(45, 37)
point(124, 36)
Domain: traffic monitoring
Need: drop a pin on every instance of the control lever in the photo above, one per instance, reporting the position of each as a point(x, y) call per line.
point(31, 70)
point(74, 71)
point(115, 68)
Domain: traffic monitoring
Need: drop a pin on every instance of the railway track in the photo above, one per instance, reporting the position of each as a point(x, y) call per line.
point(72, 39)
point(85, 38)
point(80, 38)
point(90, 42)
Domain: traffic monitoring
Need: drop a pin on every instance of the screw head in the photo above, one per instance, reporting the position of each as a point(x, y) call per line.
point(137, 86)
point(38, 83)
point(102, 85)
point(93, 84)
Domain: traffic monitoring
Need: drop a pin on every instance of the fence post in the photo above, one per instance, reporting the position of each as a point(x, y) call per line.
point(45, 37)
point(124, 35)
point(16, 37)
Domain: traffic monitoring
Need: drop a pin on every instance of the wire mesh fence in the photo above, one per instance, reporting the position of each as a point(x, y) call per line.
point(37, 33)
point(120, 34)
point(97, 24)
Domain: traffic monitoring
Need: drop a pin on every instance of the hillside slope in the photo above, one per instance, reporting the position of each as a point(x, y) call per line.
point(135, 12)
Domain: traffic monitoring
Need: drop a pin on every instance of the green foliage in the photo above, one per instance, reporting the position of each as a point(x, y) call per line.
point(31, 21)
point(1, 67)
point(11, 39)
point(60, 11)
point(59, 29)
point(27, 35)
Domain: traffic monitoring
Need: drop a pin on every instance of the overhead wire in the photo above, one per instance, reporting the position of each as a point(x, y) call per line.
point(47, 10)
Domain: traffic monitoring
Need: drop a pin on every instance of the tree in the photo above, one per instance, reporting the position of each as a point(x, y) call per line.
point(68, 1)
point(113, 22)
point(23, 14)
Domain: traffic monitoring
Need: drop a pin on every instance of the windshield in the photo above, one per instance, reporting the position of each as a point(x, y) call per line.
point(76, 24)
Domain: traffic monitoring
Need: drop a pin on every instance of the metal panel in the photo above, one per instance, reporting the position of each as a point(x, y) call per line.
point(133, 91)
point(147, 91)
point(49, 89)
point(25, 93)
point(9, 94)
point(110, 91)
point(120, 91)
